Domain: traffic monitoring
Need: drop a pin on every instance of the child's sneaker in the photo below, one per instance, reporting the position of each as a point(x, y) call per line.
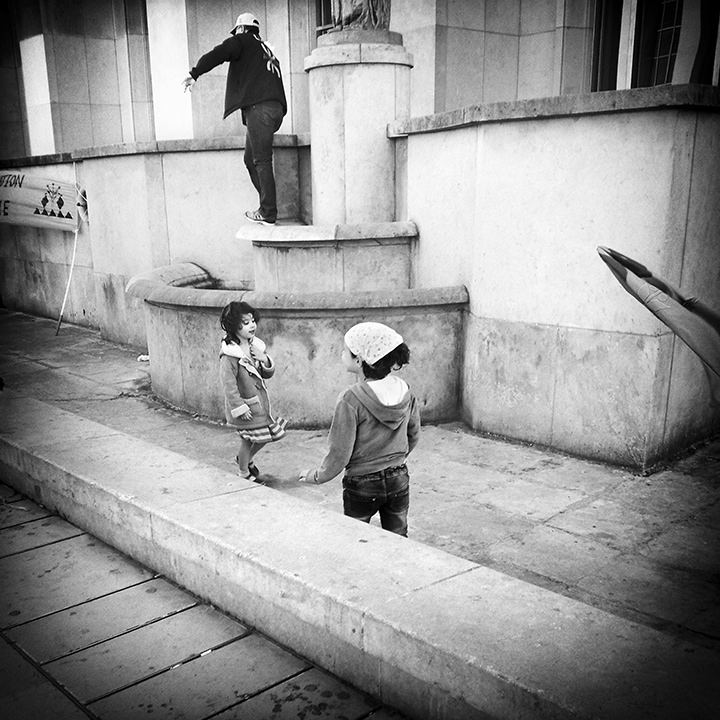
point(252, 474)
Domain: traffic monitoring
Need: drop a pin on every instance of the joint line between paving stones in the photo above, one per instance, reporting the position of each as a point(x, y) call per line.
point(83, 602)
point(167, 668)
point(44, 545)
point(431, 584)
point(129, 630)
point(57, 685)
point(250, 696)
point(608, 605)
point(24, 522)
point(218, 494)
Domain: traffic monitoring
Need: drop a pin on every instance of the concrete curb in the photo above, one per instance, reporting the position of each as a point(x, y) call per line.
point(427, 632)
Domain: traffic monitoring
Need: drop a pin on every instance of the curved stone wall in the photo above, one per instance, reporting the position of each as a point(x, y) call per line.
point(304, 333)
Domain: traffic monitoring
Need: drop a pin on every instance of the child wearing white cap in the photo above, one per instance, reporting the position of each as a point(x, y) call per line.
point(376, 424)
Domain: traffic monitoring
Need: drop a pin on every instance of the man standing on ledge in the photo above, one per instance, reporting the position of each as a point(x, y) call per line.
point(255, 87)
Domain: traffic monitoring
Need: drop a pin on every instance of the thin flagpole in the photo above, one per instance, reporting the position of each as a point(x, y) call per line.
point(74, 252)
point(67, 289)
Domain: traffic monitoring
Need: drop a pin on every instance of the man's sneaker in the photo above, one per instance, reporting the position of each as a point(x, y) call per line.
point(255, 216)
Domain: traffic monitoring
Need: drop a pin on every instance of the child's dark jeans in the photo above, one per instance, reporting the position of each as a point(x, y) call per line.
point(386, 491)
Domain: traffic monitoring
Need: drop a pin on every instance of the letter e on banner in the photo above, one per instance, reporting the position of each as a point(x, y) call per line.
point(31, 200)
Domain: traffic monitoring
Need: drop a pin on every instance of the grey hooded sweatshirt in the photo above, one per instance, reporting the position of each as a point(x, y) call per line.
point(367, 436)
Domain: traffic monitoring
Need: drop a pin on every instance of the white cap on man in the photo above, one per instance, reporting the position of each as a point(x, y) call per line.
point(245, 20)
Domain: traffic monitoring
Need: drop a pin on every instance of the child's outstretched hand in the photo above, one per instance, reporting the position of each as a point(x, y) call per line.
point(246, 415)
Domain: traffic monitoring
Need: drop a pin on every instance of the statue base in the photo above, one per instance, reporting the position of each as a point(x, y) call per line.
point(359, 82)
point(350, 36)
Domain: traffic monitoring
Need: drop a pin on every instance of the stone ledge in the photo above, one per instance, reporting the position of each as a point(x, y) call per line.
point(188, 285)
point(665, 96)
point(297, 235)
point(232, 142)
point(346, 54)
point(180, 275)
point(358, 36)
point(36, 160)
point(435, 635)
point(354, 46)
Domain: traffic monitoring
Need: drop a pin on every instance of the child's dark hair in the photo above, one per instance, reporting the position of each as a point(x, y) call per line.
point(394, 360)
point(231, 317)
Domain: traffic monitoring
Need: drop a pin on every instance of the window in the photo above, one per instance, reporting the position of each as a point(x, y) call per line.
point(643, 43)
point(323, 17)
point(606, 44)
point(657, 34)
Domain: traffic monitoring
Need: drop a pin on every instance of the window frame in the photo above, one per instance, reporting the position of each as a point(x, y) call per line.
point(323, 17)
point(630, 42)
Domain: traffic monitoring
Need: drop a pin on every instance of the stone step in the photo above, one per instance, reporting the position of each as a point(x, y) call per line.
point(332, 258)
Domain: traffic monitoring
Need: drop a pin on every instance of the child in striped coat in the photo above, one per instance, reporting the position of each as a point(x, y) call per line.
point(244, 367)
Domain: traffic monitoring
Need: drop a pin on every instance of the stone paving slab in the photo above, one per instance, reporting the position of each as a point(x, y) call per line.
point(109, 666)
point(58, 385)
point(28, 535)
point(95, 621)
point(199, 688)
point(552, 553)
point(684, 596)
point(694, 547)
point(16, 513)
point(609, 520)
point(307, 695)
point(526, 499)
point(94, 567)
point(25, 693)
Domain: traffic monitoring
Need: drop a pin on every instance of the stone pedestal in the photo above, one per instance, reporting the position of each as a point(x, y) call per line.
point(359, 82)
point(333, 258)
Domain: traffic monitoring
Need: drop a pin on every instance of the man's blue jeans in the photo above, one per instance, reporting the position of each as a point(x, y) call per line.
point(262, 121)
point(386, 491)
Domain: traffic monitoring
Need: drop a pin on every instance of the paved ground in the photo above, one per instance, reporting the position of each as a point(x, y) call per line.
point(87, 632)
point(645, 548)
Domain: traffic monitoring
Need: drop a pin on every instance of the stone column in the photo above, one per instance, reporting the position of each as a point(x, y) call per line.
point(169, 59)
point(359, 82)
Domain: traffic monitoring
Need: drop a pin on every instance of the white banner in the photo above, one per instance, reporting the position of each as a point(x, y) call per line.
point(27, 199)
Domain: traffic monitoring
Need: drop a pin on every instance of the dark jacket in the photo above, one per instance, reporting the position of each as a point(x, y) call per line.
point(254, 73)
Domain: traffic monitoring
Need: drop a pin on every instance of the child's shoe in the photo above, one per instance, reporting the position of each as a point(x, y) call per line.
point(252, 474)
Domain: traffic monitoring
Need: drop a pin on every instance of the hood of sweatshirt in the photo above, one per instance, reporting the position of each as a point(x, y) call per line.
point(390, 415)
